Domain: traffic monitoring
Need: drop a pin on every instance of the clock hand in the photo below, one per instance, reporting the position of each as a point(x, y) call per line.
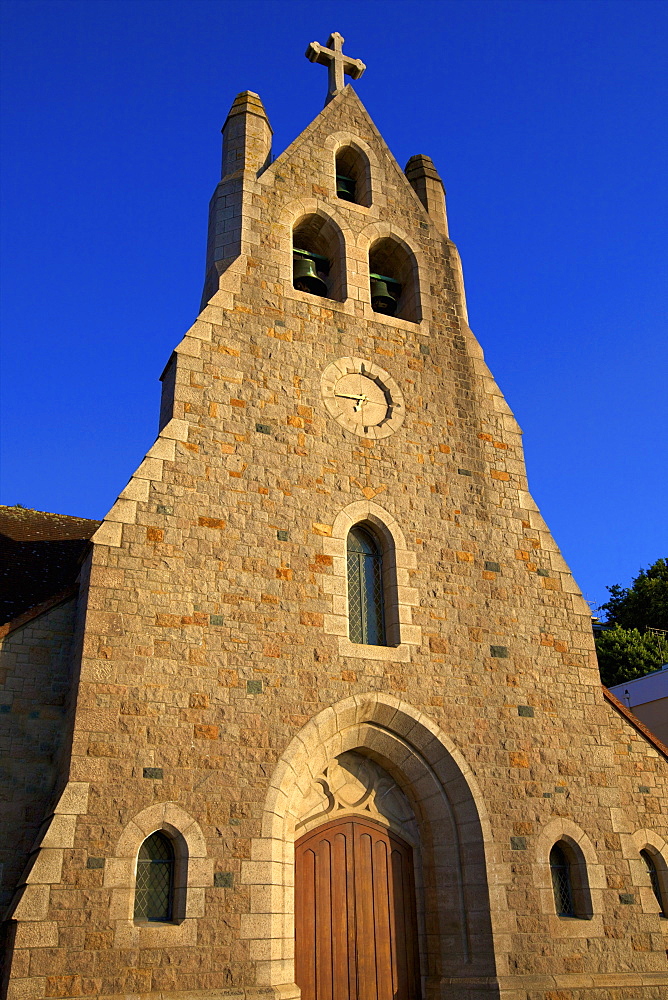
point(360, 397)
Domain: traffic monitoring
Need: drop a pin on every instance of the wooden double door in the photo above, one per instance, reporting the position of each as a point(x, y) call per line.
point(355, 916)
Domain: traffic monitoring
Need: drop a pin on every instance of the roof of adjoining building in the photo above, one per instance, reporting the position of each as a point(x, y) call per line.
point(634, 720)
point(40, 555)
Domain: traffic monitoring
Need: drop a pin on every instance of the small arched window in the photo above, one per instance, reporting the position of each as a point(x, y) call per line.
point(652, 872)
point(562, 883)
point(366, 612)
point(154, 893)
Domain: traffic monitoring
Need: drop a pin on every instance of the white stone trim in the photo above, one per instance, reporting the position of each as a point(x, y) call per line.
point(30, 906)
point(379, 231)
point(124, 511)
point(193, 873)
point(648, 840)
point(590, 872)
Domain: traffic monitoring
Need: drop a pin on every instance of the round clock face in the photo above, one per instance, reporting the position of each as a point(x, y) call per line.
point(362, 397)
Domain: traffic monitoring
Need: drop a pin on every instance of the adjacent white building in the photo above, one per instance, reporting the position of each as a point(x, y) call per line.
point(647, 698)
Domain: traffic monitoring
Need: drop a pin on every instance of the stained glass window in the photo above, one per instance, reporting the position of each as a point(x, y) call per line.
point(654, 878)
point(155, 879)
point(561, 882)
point(365, 589)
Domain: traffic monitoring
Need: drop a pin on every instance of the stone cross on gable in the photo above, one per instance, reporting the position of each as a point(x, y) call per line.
point(337, 64)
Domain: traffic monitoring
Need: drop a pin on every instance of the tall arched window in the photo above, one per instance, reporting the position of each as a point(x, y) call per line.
point(366, 613)
point(650, 866)
point(154, 893)
point(562, 884)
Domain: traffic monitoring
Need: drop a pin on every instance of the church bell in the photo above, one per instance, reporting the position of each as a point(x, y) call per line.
point(385, 293)
point(345, 187)
point(305, 276)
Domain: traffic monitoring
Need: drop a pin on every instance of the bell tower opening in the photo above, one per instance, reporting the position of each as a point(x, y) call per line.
point(393, 280)
point(353, 177)
point(318, 257)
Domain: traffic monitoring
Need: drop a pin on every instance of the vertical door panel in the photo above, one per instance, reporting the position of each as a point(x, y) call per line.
point(305, 906)
point(382, 925)
point(366, 929)
point(343, 918)
point(405, 937)
point(323, 921)
point(355, 918)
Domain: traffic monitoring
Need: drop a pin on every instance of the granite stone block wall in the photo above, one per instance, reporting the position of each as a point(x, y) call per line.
point(216, 674)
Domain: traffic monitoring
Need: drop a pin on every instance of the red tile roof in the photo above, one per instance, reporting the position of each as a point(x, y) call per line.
point(635, 721)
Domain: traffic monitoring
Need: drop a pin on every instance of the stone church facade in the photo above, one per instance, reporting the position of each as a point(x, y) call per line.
point(323, 652)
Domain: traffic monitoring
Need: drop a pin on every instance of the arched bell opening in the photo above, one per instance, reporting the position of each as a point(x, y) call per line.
point(353, 176)
point(393, 280)
point(318, 256)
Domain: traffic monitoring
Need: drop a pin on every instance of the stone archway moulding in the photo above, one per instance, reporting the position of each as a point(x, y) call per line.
point(375, 231)
point(648, 838)
point(338, 140)
point(451, 815)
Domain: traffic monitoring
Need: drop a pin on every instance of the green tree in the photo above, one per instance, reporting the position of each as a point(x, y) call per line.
point(631, 648)
point(642, 605)
point(626, 653)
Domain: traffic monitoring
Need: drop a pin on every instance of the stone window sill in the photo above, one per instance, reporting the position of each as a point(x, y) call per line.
point(157, 923)
point(397, 654)
point(398, 322)
point(576, 927)
point(323, 301)
point(145, 934)
point(354, 205)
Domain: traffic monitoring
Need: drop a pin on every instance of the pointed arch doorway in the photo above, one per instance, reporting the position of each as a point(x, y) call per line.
point(355, 914)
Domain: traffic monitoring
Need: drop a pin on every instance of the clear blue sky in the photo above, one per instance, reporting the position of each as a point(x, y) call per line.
point(547, 121)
